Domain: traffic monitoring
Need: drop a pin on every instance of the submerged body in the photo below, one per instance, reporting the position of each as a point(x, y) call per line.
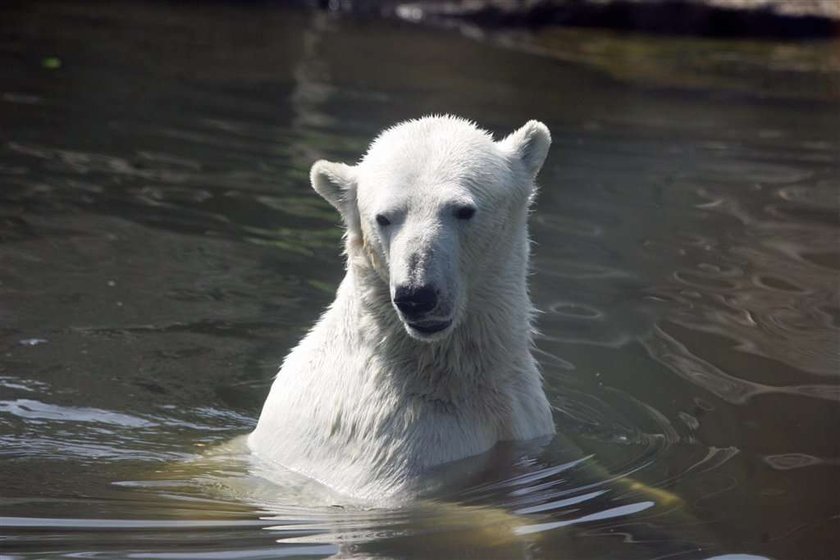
point(424, 357)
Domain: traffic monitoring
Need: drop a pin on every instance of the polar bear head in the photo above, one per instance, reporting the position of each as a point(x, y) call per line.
point(438, 210)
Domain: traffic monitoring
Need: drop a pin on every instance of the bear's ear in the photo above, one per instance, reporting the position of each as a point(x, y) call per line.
point(336, 183)
point(529, 145)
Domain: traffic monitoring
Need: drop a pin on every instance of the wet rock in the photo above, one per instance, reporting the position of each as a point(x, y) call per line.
point(772, 18)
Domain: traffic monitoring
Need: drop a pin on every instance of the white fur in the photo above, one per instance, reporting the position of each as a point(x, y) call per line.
point(365, 403)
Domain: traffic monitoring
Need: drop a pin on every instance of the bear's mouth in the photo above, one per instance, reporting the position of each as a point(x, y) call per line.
point(430, 327)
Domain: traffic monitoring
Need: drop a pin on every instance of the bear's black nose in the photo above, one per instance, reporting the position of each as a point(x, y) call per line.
point(415, 301)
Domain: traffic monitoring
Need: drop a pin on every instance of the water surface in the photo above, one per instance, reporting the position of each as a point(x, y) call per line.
point(161, 250)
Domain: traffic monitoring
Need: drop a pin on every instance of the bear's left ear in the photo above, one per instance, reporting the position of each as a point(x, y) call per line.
point(529, 145)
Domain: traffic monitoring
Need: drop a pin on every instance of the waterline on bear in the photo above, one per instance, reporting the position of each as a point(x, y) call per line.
point(500, 506)
point(424, 358)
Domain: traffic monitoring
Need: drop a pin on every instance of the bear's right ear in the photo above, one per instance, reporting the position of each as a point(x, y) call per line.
point(336, 183)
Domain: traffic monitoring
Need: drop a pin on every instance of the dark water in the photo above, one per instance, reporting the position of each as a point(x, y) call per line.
point(161, 250)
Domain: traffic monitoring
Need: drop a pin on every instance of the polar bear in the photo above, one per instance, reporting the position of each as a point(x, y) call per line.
point(424, 357)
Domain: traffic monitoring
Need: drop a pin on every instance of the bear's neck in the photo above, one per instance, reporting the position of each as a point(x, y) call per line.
point(490, 345)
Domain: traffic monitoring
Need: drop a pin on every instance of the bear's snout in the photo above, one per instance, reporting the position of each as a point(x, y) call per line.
point(420, 309)
point(415, 301)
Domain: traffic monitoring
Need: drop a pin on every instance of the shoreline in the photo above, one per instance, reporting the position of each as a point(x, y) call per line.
point(771, 19)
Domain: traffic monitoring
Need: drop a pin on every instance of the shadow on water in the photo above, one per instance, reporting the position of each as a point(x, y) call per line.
point(160, 251)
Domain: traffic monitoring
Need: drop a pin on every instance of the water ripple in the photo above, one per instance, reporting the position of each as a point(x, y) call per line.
point(36, 410)
point(611, 513)
point(676, 356)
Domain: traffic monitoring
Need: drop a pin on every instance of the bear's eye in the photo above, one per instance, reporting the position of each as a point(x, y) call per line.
point(464, 212)
point(382, 220)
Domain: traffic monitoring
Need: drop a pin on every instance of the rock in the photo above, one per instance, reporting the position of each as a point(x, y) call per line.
point(769, 18)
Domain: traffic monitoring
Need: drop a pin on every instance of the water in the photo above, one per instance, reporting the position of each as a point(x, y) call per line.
point(161, 250)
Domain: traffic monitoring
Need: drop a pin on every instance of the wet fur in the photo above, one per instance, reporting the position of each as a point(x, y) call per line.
point(364, 407)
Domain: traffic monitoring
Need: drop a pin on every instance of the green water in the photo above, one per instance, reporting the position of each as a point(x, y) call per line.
point(161, 250)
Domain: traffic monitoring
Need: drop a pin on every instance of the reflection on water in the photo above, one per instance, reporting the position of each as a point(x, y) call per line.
point(160, 251)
